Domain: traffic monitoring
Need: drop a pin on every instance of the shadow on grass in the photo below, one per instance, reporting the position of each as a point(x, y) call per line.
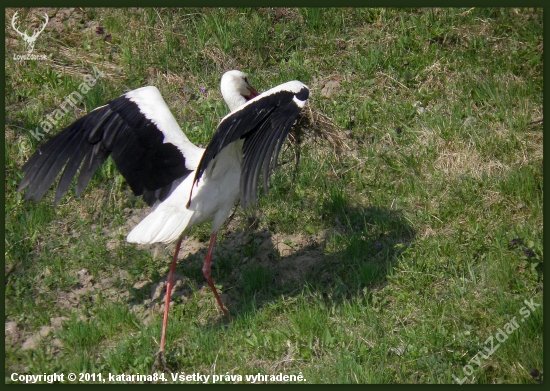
point(255, 268)
point(343, 262)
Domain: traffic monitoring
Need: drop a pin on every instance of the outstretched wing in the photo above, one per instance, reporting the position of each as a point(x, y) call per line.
point(264, 123)
point(145, 141)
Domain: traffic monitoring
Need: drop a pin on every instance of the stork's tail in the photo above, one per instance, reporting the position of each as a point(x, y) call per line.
point(162, 226)
point(168, 221)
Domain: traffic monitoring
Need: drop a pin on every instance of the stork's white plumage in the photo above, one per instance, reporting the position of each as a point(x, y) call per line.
point(193, 185)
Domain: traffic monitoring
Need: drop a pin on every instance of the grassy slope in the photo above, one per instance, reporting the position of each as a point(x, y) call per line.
point(413, 268)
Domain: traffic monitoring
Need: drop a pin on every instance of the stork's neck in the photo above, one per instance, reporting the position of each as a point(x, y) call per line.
point(232, 97)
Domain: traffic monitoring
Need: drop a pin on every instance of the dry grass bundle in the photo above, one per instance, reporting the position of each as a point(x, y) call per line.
point(314, 126)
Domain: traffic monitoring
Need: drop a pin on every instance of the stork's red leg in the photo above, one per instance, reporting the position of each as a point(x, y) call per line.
point(206, 272)
point(169, 285)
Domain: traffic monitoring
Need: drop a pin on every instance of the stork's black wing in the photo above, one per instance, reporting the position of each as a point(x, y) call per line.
point(264, 123)
point(146, 143)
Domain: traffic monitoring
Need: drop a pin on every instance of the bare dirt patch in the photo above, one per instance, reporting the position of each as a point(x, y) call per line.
point(288, 257)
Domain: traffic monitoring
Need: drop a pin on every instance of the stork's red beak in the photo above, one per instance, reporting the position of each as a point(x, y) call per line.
point(253, 93)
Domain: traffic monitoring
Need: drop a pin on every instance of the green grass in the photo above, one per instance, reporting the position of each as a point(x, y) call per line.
point(392, 262)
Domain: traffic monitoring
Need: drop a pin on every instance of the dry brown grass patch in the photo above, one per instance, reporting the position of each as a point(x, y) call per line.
point(459, 159)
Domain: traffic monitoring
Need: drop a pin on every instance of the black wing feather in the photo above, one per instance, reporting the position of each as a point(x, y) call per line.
point(264, 152)
point(150, 166)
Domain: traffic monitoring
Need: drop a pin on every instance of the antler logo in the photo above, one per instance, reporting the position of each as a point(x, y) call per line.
point(29, 40)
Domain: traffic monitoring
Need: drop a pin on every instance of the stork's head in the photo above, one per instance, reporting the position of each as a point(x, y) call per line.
point(236, 90)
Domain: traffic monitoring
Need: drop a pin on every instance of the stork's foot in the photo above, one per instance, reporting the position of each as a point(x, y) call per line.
point(226, 313)
point(160, 364)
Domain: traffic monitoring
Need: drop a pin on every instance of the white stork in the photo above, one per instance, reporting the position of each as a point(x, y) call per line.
point(193, 185)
